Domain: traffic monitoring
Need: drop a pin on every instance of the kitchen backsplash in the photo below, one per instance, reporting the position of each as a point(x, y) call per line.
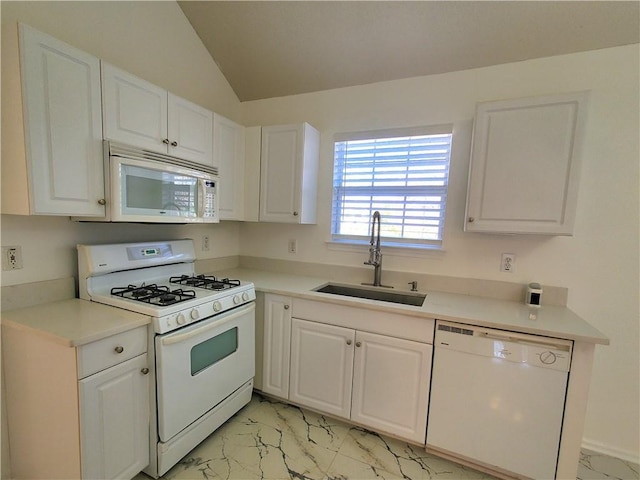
point(29, 294)
point(400, 280)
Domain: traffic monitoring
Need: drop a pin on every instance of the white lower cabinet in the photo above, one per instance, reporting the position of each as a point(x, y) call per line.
point(329, 363)
point(77, 412)
point(391, 385)
point(321, 366)
point(277, 344)
point(114, 420)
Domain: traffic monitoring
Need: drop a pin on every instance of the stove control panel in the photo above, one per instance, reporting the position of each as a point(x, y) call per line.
point(205, 310)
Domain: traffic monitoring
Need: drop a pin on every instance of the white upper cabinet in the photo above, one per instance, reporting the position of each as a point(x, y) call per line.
point(525, 165)
point(288, 173)
point(190, 131)
point(139, 113)
point(229, 157)
point(62, 131)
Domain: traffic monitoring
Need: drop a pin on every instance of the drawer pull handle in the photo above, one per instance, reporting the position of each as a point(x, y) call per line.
point(349, 342)
point(358, 344)
point(119, 349)
point(286, 307)
point(145, 371)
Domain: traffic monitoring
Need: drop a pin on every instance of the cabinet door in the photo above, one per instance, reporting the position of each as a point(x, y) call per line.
point(391, 385)
point(134, 110)
point(190, 131)
point(228, 156)
point(277, 345)
point(63, 126)
point(321, 366)
point(114, 420)
point(280, 173)
point(524, 170)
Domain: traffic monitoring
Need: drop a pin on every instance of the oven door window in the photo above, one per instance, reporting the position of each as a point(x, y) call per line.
point(212, 350)
point(147, 191)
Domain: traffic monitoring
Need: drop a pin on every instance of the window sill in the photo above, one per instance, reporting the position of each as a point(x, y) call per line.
point(391, 250)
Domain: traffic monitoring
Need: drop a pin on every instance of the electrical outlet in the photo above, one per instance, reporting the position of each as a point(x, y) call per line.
point(293, 246)
point(205, 243)
point(508, 262)
point(12, 257)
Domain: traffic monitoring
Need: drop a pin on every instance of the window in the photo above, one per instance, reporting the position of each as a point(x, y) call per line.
point(403, 174)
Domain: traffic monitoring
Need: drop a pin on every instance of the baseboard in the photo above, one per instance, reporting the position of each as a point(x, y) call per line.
point(598, 447)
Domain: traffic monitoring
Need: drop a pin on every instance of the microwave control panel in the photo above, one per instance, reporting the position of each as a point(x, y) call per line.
point(209, 199)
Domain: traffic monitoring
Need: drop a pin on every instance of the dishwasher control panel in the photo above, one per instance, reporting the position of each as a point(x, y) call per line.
point(534, 350)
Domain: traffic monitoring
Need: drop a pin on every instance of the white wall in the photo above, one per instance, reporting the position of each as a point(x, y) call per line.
point(599, 264)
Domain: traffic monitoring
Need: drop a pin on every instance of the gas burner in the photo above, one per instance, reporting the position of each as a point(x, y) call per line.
point(205, 281)
point(154, 294)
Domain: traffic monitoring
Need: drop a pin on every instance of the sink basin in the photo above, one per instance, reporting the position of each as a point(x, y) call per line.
point(405, 298)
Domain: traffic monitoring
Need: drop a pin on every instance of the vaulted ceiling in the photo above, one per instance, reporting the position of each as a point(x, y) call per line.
point(277, 48)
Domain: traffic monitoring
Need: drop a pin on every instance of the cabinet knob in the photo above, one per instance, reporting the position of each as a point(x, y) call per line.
point(471, 219)
point(174, 144)
point(165, 141)
point(102, 201)
point(119, 349)
point(144, 371)
point(358, 344)
point(286, 307)
point(349, 342)
point(295, 214)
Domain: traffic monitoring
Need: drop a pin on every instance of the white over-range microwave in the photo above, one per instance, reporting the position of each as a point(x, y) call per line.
point(149, 187)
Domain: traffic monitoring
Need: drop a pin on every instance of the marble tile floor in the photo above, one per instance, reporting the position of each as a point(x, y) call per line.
point(268, 439)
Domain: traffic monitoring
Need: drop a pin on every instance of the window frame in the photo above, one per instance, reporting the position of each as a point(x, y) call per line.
point(408, 244)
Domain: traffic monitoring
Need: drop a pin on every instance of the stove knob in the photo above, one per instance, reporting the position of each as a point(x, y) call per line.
point(217, 306)
point(195, 314)
point(181, 320)
point(245, 296)
point(236, 299)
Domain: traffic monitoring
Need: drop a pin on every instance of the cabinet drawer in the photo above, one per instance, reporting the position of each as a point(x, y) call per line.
point(110, 351)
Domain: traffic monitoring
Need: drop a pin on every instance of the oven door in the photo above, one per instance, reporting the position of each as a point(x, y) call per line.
point(200, 365)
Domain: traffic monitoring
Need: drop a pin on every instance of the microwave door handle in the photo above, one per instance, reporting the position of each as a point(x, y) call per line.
point(201, 189)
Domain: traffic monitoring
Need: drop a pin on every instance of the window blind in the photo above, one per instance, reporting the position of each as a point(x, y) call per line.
point(404, 177)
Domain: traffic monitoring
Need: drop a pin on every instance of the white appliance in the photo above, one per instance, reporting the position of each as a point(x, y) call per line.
point(201, 337)
point(150, 187)
point(497, 398)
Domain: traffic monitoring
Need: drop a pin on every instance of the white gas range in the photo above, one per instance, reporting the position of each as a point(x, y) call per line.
point(202, 336)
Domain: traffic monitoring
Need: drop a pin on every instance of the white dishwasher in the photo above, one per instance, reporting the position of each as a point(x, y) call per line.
point(497, 398)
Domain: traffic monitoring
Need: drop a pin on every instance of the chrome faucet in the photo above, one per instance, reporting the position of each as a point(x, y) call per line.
point(375, 255)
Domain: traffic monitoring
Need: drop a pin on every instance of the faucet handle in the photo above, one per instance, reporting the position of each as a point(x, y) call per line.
point(414, 286)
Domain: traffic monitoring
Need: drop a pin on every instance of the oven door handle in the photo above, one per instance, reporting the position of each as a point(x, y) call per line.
point(181, 337)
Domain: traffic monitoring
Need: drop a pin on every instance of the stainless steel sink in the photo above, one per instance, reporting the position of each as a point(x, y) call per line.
point(405, 298)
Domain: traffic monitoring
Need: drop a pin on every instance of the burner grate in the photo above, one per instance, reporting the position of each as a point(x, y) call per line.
point(154, 294)
point(209, 282)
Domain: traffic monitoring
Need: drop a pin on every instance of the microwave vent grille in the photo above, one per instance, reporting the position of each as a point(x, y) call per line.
point(126, 151)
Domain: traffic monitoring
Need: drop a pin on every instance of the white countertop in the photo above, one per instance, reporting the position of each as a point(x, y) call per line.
point(547, 320)
point(74, 322)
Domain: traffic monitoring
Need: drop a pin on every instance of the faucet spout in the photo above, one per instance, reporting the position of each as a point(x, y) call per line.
point(375, 255)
